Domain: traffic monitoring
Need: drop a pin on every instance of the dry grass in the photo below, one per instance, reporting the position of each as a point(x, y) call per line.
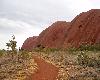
point(69, 69)
point(16, 70)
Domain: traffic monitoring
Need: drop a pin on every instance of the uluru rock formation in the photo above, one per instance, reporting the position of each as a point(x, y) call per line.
point(83, 29)
point(55, 35)
point(29, 43)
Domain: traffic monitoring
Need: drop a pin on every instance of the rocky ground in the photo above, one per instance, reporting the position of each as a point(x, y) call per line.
point(50, 65)
point(69, 69)
point(12, 69)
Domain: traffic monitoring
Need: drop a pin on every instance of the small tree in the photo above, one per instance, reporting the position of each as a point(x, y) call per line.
point(12, 45)
point(8, 45)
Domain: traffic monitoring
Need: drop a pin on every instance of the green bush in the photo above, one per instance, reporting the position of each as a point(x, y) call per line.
point(12, 44)
point(24, 55)
point(94, 47)
point(46, 49)
point(2, 52)
point(51, 49)
point(84, 60)
point(37, 50)
point(72, 50)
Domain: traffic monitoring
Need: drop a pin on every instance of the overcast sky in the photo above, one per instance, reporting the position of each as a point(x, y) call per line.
point(26, 18)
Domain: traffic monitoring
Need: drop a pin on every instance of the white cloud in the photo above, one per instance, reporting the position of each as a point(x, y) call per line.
point(26, 18)
point(13, 26)
point(20, 29)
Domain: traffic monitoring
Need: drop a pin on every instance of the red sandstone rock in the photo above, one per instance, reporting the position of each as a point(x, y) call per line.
point(55, 35)
point(83, 29)
point(29, 43)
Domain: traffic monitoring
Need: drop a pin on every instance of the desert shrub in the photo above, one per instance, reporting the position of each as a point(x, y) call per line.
point(93, 63)
point(72, 50)
point(82, 58)
point(39, 47)
point(46, 49)
point(51, 49)
point(25, 55)
point(85, 60)
point(37, 50)
point(12, 44)
point(97, 70)
point(88, 47)
point(2, 52)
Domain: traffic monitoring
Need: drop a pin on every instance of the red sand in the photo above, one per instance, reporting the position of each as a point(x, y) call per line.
point(46, 71)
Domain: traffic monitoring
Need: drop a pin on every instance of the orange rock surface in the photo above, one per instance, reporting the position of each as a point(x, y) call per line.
point(83, 29)
point(29, 43)
point(55, 35)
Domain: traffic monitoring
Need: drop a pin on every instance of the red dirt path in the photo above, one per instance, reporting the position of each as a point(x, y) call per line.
point(46, 71)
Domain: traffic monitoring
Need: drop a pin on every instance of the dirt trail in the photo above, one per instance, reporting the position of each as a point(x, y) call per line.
point(46, 71)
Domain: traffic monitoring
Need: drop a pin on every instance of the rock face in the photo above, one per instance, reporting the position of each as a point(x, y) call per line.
point(29, 43)
point(55, 35)
point(83, 29)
